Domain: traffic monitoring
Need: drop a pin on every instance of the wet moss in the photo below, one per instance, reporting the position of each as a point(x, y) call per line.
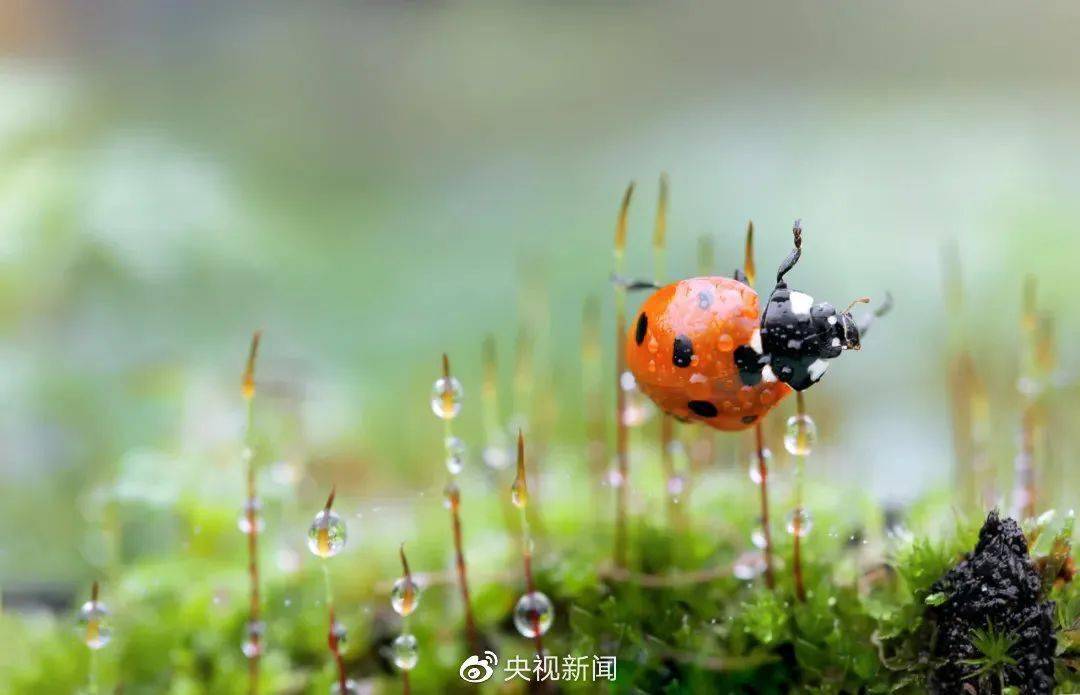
point(996, 587)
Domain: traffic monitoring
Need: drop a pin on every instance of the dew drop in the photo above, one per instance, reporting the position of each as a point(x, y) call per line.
point(749, 565)
point(252, 646)
point(326, 536)
point(351, 688)
point(637, 408)
point(533, 614)
point(725, 343)
point(757, 537)
point(755, 465)
point(404, 596)
point(252, 512)
point(95, 624)
point(446, 397)
point(405, 651)
point(800, 435)
point(799, 522)
point(455, 455)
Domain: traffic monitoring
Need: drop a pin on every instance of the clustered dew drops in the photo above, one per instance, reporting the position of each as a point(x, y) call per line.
point(800, 435)
point(326, 536)
point(446, 397)
point(404, 596)
point(455, 454)
point(533, 614)
point(405, 652)
point(94, 623)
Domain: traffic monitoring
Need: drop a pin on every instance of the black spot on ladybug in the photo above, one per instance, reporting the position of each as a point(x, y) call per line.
point(704, 300)
point(642, 326)
point(749, 419)
point(703, 408)
point(682, 351)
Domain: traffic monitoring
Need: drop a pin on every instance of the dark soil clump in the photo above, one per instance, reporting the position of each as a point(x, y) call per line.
point(996, 585)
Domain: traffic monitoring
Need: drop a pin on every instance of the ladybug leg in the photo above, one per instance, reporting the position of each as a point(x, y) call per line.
point(794, 256)
point(740, 276)
point(632, 284)
point(750, 364)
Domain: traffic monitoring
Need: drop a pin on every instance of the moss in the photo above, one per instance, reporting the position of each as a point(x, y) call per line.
point(992, 599)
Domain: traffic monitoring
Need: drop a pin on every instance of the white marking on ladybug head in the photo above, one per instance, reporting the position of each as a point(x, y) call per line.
point(801, 303)
point(767, 374)
point(836, 342)
point(817, 369)
point(755, 341)
point(832, 320)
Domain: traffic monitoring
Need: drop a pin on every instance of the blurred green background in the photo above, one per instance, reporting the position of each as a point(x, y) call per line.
point(375, 184)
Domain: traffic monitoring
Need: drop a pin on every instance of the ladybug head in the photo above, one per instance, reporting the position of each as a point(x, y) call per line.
point(799, 335)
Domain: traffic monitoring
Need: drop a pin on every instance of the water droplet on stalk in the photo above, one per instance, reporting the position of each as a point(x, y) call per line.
point(351, 688)
point(800, 435)
point(533, 614)
point(326, 536)
point(252, 645)
point(94, 622)
point(455, 455)
point(405, 652)
point(446, 397)
point(252, 511)
point(404, 596)
point(799, 522)
point(755, 465)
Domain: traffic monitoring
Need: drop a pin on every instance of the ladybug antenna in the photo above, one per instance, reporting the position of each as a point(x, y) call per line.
point(886, 307)
point(796, 253)
point(860, 300)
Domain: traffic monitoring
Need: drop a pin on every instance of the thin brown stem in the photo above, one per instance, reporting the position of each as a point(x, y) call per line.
point(759, 435)
point(406, 688)
point(520, 497)
point(453, 494)
point(247, 390)
point(763, 473)
point(621, 434)
point(796, 550)
point(335, 649)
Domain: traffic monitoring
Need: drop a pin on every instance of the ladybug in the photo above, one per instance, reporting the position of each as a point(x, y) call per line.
point(702, 350)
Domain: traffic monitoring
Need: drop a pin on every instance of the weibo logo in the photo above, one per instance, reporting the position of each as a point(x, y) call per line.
point(477, 669)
